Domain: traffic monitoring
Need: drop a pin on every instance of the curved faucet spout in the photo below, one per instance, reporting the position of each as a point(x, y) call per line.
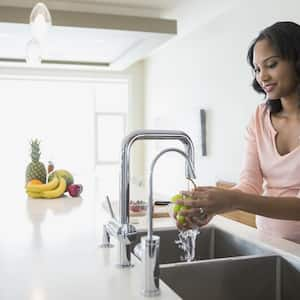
point(149, 247)
point(150, 199)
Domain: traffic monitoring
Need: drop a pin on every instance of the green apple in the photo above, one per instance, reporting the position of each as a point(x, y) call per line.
point(180, 219)
point(177, 208)
point(176, 197)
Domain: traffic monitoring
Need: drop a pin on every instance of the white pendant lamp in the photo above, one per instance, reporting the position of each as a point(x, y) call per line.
point(40, 22)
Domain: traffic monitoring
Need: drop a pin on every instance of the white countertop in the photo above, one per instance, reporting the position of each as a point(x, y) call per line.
point(49, 250)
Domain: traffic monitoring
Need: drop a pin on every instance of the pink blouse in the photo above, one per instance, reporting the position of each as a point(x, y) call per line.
point(267, 172)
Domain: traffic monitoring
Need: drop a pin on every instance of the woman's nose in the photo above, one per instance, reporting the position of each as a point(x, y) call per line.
point(264, 75)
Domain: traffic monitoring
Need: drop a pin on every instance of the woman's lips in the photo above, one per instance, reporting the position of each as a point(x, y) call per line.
point(269, 87)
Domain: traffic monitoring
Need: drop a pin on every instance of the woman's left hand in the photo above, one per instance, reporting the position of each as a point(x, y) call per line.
point(204, 203)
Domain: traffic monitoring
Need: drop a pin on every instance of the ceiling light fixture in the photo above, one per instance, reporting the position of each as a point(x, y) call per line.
point(40, 22)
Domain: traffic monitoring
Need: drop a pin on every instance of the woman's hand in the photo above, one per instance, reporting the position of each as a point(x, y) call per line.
point(204, 203)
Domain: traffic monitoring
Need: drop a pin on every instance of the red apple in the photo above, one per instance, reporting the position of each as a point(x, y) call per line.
point(75, 189)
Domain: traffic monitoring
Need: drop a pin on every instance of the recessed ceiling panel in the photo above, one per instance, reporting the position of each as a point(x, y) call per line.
point(65, 43)
point(84, 38)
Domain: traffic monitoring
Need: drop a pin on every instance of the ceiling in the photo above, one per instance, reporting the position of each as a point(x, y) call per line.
point(154, 4)
point(79, 37)
point(129, 7)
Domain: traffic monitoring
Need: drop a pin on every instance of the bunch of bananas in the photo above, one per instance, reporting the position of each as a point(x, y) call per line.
point(53, 189)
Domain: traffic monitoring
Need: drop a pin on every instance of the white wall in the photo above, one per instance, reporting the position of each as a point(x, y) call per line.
point(207, 69)
point(136, 115)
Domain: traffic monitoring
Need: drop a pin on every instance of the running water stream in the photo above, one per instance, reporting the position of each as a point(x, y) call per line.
point(187, 242)
point(187, 238)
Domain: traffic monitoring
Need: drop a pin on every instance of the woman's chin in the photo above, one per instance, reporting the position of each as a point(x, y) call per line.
point(272, 97)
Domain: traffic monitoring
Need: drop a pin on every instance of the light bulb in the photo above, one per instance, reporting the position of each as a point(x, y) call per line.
point(40, 21)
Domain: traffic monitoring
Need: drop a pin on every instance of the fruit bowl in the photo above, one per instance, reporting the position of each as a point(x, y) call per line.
point(138, 208)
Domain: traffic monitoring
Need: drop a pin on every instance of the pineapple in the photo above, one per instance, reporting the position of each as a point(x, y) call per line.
point(36, 169)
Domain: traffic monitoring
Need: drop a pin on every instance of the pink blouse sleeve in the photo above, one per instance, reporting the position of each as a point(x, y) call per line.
point(251, 178)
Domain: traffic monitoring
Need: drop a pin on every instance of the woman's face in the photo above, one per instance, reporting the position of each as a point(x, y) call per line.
point(276, 76)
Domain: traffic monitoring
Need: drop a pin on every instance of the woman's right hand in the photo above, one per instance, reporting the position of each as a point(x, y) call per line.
point(203, 203)
point(192, 220)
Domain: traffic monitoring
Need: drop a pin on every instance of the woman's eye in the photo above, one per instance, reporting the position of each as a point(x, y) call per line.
point(272, 65)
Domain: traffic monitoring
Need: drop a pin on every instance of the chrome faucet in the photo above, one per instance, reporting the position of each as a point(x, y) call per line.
point(122, 229)
point(148, 249)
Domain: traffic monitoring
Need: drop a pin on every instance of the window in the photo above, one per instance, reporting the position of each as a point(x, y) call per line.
point(111, 113)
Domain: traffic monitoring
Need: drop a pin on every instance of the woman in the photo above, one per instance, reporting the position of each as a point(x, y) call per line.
point(270, 180)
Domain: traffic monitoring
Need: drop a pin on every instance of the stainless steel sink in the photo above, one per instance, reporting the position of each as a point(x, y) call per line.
point(211, 243)
point(252, 277)
point(227, 267)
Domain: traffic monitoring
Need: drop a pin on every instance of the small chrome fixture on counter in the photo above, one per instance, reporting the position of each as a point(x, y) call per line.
point(121, 229)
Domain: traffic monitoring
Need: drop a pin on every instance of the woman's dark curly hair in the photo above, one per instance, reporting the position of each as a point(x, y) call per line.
point(285, 40)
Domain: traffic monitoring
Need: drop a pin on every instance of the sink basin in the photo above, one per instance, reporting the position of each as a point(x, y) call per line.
point(227, 267)
point(247, 278)
point(211, 243)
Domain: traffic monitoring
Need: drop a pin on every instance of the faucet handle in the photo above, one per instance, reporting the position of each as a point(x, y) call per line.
point(110, 207)
point(106, 239)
